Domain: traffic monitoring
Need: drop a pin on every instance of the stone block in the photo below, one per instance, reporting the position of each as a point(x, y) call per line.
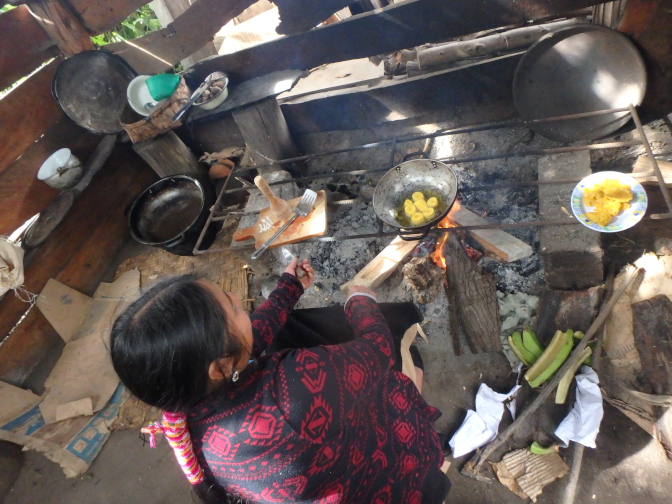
point(571, 255)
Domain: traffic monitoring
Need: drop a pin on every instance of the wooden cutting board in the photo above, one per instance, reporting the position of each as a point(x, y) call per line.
point(314, 224)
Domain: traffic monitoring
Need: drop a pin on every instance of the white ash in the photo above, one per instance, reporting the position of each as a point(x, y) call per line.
point(516, 311)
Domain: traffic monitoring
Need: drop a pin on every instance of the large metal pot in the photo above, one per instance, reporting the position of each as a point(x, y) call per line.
point(171, 214)
point(424, 175)
point(583, 68)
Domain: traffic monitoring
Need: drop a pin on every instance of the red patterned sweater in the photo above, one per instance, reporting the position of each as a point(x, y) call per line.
point(331, 424)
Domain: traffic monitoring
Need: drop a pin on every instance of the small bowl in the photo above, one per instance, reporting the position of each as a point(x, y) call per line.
point(61, 170)
point(217, 100)
point(139, 97)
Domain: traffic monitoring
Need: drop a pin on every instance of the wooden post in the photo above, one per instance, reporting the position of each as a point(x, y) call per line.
point(168, 155)
point(169, 10)
point(63, 26)
point(265, 131)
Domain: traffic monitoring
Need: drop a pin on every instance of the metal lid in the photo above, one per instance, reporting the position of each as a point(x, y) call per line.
point(91, 89)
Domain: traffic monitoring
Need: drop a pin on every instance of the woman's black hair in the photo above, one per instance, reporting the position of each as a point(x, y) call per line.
point(164, 343)
point(162, 346)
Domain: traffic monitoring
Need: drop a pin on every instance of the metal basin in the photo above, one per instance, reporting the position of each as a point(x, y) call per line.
point(579, 69)
point(417, 175)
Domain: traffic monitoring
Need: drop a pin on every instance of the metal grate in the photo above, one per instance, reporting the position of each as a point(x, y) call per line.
point(217, 213)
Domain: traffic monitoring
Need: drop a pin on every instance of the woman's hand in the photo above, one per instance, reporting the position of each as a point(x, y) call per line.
point(309, 277)
point(361, 289)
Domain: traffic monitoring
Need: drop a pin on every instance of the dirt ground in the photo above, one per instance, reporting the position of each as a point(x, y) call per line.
point(628, 466)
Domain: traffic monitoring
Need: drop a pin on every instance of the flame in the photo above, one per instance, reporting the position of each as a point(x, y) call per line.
point(437, 256)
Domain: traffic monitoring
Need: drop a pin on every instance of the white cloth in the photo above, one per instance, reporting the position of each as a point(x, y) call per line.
point(481, 426)
point(11, 266)
point(583, 422)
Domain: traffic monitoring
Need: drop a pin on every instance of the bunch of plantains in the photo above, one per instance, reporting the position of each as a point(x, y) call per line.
point(543, 363)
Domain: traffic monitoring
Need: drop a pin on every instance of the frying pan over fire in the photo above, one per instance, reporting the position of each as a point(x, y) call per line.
point(424, 175)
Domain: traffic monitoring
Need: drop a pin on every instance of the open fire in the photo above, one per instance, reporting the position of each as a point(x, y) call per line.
point(437, 256)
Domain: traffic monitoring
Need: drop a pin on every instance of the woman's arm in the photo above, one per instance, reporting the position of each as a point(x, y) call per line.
point(270, 317)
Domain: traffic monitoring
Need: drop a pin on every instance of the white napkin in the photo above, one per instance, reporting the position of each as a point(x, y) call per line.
point(583, 422)
point(480, 426)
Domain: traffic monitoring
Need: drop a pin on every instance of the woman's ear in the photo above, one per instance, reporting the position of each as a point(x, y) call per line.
point(220, 369)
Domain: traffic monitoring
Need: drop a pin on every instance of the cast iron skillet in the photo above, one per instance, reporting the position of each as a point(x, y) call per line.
point(403, 180)
point(171, 214)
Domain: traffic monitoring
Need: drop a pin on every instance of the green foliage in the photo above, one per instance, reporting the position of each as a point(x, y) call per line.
point(6, 8)
point(141, 22)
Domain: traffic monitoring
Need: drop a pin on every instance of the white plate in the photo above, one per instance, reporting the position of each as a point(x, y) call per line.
point(626, 218)
point(138, 95)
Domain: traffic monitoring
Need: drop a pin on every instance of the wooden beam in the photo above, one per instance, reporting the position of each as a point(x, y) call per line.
point(25, 45)
point(298, 16)
point(383, 265)
point(169, 10)
point(475, 297)
point(500, 243)
point(27, 112)
point(485, 89)
point(63, 26)
point(168, 155)
point(52, 216)
point(21, 194)
point(99, 16)
point(399, 26)
point(265, 131)
point(192, 30)
point(70, 251)
point(647, 23)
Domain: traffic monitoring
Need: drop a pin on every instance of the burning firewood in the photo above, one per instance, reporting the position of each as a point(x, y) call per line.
point(424, 277)
point(474, 294)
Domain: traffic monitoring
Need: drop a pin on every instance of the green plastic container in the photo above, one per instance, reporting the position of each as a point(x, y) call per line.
point(162, 86)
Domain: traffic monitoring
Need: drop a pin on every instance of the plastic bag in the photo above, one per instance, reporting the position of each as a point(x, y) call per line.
point(11, 266)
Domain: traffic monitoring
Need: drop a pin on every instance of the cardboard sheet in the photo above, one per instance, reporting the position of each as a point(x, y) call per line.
point(85, 369)
point(407, 366)
point(63, 307)
point(526, 474)
point(73, 443)
point(15, 401)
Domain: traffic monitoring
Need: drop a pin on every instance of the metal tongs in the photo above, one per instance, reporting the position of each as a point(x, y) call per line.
point(197, 94)
point(303, 208)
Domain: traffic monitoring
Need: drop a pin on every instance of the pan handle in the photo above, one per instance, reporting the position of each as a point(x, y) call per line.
point(411, 154)
point(408, 236)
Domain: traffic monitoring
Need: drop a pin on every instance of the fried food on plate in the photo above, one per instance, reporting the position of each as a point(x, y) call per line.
point(609, 198)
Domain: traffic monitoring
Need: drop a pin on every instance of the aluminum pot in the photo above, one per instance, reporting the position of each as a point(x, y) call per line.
point(583, 68)
point(171, 214)
point(397, 185)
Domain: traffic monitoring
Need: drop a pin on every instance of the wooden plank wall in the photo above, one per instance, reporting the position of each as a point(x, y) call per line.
point(30, 49)
point(33, 126)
